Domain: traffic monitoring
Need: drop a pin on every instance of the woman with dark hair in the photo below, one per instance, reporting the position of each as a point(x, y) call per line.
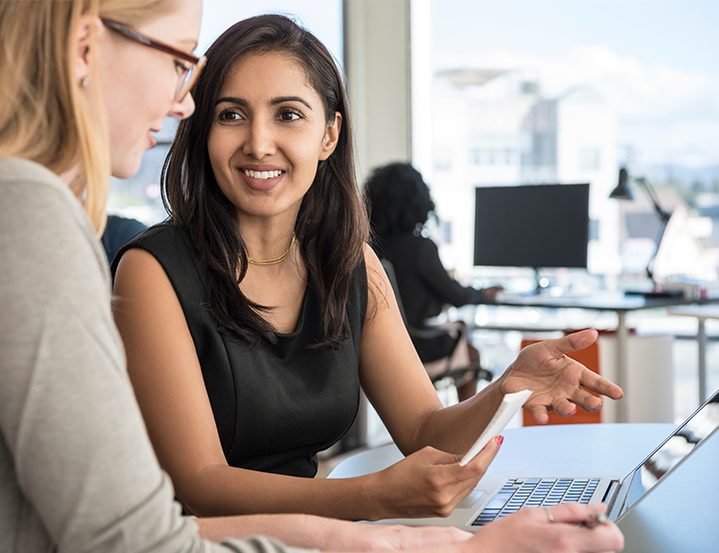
point(253, 315)
point(400, 205)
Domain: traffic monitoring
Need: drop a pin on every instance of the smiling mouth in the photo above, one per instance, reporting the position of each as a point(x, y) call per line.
point(262, 175)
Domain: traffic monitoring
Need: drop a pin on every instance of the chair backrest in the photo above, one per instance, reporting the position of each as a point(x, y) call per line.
point(430, 333)
point(392, 277)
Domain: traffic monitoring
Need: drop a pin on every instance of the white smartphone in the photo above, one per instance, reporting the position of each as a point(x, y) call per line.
point(511, 404)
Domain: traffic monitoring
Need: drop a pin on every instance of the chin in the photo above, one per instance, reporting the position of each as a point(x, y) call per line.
point(126, 168)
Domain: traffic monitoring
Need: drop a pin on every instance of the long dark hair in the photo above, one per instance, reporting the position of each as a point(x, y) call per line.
point(331, 225)
point(399, 201)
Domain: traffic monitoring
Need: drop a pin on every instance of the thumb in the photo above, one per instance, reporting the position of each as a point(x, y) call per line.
point(485, 457)
point(435, 456)
point(572, 342)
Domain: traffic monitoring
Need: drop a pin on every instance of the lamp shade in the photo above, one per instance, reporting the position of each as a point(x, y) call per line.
point(622, 191)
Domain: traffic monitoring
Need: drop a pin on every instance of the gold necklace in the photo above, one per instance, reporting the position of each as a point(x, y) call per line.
point(275, 260)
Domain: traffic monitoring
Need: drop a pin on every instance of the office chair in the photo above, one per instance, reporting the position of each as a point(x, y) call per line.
point(456, 373)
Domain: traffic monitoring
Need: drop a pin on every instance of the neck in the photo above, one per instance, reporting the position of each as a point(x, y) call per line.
point(267, 238)
point(273, 260)
point(70, 176)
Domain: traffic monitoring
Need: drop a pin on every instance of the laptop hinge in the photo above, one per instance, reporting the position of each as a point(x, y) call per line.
point(611, 490)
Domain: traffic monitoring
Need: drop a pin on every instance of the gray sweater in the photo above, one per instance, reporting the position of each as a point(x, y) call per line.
point(77, 471)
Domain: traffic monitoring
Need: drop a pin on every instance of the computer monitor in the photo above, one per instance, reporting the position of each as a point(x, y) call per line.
point(537, 226)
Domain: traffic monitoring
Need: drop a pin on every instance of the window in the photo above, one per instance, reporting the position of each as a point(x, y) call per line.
point(566, 91)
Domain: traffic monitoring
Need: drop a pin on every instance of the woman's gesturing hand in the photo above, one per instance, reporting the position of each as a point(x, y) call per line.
point(558, 382)
point(428, 482)
point(554, 530)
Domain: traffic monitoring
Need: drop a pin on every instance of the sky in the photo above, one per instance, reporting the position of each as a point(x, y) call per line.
point(654, 61)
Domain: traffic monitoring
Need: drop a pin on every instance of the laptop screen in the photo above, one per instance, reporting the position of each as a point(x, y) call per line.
point(689, 435)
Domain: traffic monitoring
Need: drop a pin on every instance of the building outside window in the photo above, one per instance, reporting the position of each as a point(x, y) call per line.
point(562, 91)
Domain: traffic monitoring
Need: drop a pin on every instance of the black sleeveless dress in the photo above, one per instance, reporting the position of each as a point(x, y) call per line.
point(275, 405)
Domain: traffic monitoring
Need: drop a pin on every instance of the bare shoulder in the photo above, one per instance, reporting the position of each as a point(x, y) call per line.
point(371, 259)
point(377, 284)
point(140, 275)
point(149, 316)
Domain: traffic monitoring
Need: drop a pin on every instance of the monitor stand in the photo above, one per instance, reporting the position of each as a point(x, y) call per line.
point(541, 283)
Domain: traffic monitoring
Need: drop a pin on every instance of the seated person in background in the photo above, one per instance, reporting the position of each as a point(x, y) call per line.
point(400, 205)
point(253, 316)
point(118, 232)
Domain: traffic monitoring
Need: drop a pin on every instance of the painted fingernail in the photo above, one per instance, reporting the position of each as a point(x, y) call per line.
point(499, 439)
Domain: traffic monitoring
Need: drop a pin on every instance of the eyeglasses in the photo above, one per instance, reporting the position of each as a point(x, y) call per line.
point(189, 66)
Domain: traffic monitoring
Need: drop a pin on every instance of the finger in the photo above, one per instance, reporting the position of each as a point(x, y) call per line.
point(605, 537)
point(572, 342)
point(462, 489)
point(434, 456)
point(564, 518)
point(574, 512)
point(539, 412)
point(585, 400)
point(564, 407)
point(466, 477)
point(480, 464)
point(462, 492)
point(593, 381)
point(458, 476)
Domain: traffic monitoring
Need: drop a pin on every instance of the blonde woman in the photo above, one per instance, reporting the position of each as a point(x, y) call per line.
point(85, 83)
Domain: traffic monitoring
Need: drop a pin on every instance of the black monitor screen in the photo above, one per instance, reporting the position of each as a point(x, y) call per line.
point(544, 225)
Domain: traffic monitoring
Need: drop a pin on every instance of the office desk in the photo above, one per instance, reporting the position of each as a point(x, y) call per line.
point(616, 302)
point(611, 449)
point(701, 313)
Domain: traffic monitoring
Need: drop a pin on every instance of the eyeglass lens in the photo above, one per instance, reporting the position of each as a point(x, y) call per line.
point(187, 80)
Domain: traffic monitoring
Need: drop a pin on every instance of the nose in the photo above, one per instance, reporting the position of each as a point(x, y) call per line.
point(182, 109)
point(259, 141)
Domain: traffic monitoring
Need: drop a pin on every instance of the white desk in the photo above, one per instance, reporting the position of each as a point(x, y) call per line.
point(661, 523)
point(612, 449)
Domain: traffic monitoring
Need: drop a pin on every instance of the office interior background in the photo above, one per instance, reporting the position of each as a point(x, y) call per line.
point(479, 93)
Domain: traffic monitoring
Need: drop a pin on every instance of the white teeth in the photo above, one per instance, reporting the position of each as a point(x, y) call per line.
point(261, 174)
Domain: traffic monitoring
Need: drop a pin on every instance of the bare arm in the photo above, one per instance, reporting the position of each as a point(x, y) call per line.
point(329, 534)
point(529, 531)
point(397, 385)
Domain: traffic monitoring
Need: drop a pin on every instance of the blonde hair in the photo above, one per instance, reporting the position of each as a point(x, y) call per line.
point(44, 116)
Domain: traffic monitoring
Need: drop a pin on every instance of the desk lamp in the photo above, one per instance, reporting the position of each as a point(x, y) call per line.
point(623, 191)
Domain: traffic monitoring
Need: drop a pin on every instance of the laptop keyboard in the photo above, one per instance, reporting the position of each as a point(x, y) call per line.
point(536, 492)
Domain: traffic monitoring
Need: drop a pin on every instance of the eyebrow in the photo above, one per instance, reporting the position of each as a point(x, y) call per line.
point(274, 101)
point(283, 99)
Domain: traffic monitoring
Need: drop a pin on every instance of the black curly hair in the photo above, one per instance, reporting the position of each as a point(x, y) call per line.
point(398, 200)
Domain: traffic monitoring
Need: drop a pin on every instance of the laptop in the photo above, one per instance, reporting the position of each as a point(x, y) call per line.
point(497, 496)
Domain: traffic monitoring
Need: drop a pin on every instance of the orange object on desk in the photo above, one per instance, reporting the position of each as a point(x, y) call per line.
point(588, 357)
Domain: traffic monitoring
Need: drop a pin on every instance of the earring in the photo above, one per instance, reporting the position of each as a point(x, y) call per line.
point(84, 82)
